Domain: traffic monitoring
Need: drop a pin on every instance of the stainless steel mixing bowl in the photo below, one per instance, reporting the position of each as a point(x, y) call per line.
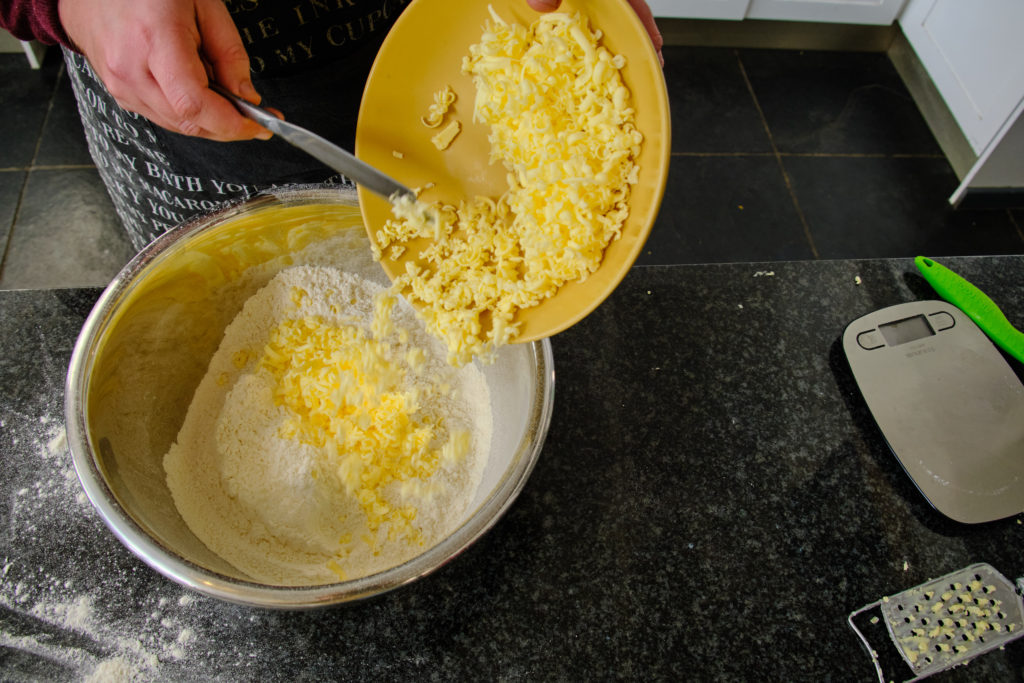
point(146, 345)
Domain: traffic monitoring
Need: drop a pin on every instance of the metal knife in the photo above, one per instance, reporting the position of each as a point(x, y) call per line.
point(314, 145)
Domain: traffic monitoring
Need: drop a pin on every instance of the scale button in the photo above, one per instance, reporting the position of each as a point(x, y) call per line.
point(870, 340)
point(941, 321)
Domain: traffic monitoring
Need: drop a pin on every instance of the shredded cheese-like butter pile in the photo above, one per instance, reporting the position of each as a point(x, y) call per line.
point(562, 124)
point(351, 394)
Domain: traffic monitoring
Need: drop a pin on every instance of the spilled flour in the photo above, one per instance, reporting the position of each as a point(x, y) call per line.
point(75, 604)
point(62, 603)
point(329, 438)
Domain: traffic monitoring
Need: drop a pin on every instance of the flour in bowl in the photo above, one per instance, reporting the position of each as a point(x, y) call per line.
point(329, 438)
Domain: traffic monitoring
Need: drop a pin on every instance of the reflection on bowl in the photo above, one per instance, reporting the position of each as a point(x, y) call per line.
point(147, 343)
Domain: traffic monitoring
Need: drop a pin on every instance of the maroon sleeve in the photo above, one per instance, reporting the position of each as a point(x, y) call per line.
point(34, 19)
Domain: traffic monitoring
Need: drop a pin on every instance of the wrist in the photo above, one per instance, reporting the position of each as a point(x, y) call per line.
point(57, 10)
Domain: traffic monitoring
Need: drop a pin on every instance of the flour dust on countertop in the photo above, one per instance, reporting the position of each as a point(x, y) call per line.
point(64, 605)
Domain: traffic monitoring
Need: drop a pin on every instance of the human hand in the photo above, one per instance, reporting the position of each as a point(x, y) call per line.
point(639, 6)
point(157, 57)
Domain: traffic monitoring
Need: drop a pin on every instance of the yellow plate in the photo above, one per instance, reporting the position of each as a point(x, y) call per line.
point(422, 54)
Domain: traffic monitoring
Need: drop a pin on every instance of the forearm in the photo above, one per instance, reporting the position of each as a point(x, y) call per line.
point(33, 20)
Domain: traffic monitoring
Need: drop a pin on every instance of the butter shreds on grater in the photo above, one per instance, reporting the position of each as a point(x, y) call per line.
point(948, 621)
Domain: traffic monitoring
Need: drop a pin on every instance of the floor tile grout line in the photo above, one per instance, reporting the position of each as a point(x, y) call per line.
point(778, 158)
point(14, 221)
point(47, 167)
point(863, 155)
point(46, 118)
point(28, 172)
point(1016, 224)
point(812, 155)
point(722, 154)
point(834, 155)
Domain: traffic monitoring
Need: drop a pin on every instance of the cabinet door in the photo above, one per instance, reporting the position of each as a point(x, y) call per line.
point(836, 11)
point(699, 9)
point(972, 52)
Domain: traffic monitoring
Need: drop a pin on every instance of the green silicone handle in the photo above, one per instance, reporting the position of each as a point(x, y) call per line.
point(975, 303)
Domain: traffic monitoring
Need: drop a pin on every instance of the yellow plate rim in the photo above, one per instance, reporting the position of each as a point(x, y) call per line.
point(422, 53)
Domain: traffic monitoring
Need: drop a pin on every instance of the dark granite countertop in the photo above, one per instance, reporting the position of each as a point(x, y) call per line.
point(712, 501)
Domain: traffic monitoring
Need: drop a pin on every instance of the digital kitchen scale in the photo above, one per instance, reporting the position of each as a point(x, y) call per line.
point(947, 402)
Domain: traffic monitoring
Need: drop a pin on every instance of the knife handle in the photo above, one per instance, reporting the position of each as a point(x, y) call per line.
point(257, 114)
point(975, 303)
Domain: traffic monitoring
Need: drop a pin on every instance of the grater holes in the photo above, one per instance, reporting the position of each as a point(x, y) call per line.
point(946, 620)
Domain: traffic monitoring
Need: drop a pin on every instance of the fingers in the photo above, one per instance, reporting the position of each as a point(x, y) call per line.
point(639, 6)
point(157, 59)
point(643, 11)
point(130, 81)
point(182, 76)
point(223, 50)
point(179, 73)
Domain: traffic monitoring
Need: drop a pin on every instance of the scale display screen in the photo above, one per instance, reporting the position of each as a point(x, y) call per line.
point(906, 330)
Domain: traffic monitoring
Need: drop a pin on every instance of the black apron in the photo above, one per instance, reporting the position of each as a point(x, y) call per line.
point(309, 58)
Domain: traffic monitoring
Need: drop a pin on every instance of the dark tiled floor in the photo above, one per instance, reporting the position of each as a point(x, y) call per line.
point(836, 104)
point(58, 226)
point(782, 154)
point(777, 155)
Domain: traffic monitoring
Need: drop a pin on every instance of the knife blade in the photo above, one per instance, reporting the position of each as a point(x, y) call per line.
point(320, 148)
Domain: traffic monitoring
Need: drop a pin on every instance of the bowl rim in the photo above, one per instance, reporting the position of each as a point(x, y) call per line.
point(170, 564)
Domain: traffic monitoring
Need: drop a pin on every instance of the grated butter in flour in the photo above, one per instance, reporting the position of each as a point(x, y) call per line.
point(256, 473)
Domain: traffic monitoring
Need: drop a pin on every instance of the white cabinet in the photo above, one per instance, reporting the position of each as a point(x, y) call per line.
point(33, 50)
point(973, 54)
point(834, 11)
point(1003, 164)
point(699, 9)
